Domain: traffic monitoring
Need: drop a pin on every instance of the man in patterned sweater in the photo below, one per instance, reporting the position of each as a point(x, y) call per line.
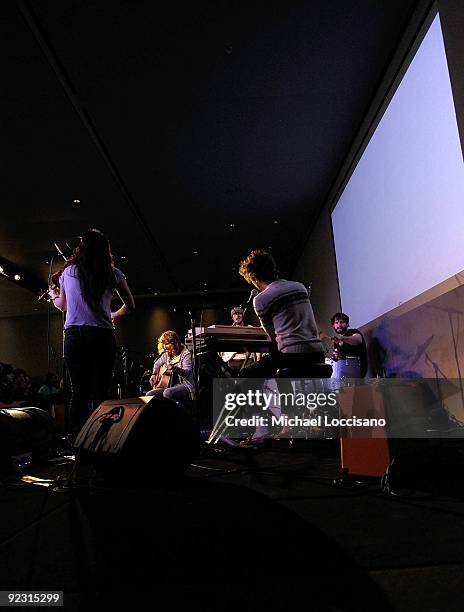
point(285, 312)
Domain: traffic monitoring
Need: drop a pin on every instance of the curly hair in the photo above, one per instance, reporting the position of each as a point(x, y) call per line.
point(259, 266)
point(170, 337)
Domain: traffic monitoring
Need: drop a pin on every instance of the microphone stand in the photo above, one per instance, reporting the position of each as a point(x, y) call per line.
point(66, 398)
point(195, 367)
point(64, 370)
point(253, 294)
point(125, 371)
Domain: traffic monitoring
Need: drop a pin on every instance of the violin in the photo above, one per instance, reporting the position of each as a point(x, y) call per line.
point(53, 284)
point(54, 279)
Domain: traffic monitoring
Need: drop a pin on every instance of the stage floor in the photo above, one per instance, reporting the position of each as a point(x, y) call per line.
point(247, 529)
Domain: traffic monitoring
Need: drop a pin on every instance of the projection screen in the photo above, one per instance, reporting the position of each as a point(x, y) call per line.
point(399, 222)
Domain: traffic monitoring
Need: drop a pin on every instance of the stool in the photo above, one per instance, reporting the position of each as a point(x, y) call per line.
point(308, 370)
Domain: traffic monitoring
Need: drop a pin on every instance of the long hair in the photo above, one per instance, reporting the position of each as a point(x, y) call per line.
point(169, 337)
point(94, 262)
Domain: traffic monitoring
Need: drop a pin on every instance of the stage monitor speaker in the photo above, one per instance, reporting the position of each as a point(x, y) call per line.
point(25, 430)
point(139, 438)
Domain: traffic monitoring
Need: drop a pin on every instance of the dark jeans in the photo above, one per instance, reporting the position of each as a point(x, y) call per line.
point(269, 364)
point(89, 354)
point(177, 393)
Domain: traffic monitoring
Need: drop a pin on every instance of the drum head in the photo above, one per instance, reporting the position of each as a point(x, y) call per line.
point(350, 367)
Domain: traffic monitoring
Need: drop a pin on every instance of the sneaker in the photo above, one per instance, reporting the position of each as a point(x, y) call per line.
point(253, 441)
point(228, 441)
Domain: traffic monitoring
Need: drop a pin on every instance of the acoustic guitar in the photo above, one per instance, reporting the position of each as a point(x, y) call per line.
point(164, 377)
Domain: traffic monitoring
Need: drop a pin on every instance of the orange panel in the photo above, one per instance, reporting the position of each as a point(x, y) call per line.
point(364, 456)
point(365, 451)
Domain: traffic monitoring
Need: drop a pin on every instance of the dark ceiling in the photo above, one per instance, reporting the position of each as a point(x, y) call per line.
point(190, 133)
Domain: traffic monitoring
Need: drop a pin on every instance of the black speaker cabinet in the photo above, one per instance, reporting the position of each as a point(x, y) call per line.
point(25, 429)
point(139, 437)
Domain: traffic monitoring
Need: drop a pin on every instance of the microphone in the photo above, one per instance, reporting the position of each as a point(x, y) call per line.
point(253, 294)
point(156, 356)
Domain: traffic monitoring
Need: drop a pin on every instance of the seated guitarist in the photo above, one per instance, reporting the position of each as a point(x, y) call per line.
point(173, 370)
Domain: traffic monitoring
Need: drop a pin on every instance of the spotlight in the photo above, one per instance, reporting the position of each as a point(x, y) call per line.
point(76, 201)
point(17, 277)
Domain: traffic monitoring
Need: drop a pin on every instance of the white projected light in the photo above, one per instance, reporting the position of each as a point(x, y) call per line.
point(398, 225)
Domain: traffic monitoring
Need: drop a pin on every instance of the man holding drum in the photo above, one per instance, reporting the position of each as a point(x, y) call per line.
point(349, 349)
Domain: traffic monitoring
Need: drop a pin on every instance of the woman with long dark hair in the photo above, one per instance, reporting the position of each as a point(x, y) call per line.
point(87, 284)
